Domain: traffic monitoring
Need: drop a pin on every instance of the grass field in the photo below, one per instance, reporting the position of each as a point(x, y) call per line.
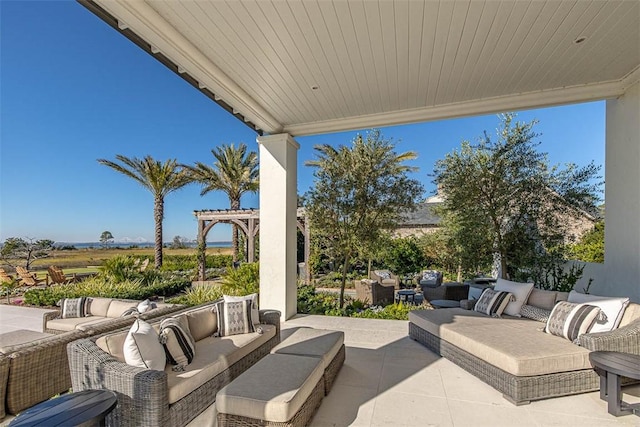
point(87, 260)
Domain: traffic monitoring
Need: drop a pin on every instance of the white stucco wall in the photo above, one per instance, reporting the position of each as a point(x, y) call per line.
point(278, 203)
point(594, 271)
point(622, 197)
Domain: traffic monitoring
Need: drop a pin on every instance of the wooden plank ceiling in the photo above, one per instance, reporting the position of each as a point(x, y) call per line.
point(320, 66)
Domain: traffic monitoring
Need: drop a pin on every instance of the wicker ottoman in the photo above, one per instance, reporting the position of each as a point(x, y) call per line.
point(321, 343)
point(279, 390)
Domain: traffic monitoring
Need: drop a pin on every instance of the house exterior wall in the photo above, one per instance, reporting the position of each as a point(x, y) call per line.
point(622, 217)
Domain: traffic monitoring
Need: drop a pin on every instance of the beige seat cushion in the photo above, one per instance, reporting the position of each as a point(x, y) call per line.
point(116, 308)
point(73, 323)
point(274, 389)
point(99, 306)
point(213, 356)
point(312, 342)
point(516, 346)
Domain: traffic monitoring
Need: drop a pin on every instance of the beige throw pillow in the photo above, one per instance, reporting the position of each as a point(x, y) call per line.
point(142, 347)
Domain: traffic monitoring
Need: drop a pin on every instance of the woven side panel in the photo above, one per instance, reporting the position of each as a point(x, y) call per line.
point(300, 419)
point(331, 372)
point(38, 371)
point(4, 376)
point(518, 389)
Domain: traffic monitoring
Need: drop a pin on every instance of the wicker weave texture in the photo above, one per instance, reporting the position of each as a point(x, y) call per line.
point(300, 419)
point(4, 376)
point(518, 390)
point(332, 370)
point(38, 370)
point(624, 340)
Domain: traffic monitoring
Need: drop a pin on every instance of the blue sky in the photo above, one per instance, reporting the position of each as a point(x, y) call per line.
point(73, 90)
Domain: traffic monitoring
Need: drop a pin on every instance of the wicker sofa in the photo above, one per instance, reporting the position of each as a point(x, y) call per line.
point(385, 278)
point(514, 356)
point(37, 370)
point(104, 314)
point(169, 398)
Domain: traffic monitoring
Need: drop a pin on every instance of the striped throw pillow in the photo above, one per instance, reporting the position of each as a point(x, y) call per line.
point(493, 302)
point(570, 320)
point(74, 307)
point(234, 318)
point(179, 345)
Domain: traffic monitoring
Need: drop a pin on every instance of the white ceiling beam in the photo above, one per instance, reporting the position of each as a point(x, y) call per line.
point(524, 101)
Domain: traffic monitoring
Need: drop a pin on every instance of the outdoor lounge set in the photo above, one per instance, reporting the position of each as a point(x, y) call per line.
point(220, 352)
point(528, 343)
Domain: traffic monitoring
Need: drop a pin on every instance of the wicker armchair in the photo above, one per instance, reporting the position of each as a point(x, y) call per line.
point(371, 292)
point(452, 291)
point(385, 278)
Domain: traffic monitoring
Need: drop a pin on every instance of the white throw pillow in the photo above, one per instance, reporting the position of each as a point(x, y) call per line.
point(255, 313)
point(612, 307)
point(145, 306)
point(142, 347)
point(520, 291)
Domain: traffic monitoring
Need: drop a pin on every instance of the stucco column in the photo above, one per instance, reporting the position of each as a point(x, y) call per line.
point(622, 187)
point(278, 202)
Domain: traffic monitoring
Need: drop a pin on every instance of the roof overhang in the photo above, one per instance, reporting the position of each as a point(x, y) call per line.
point(316, 66)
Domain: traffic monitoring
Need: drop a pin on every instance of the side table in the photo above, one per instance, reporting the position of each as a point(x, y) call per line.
point(611, 365)
point(87, 408)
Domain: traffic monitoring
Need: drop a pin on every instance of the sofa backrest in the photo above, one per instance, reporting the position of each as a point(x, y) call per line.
point(203, 322)
point(545, 299)
point(99, 306)
point(113, 342)
point(631, 314)
point(117, 307)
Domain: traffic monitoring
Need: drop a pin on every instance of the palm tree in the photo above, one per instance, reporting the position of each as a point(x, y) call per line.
point(157, 177)
point(234, 171)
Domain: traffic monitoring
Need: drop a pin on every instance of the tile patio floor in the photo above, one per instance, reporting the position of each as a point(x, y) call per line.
point(390, 380)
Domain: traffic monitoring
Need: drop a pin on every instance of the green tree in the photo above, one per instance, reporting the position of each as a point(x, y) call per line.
point(105, 238)
point(590, 248)
point(179, 242)
point(404, 255)
point(16, 249)
point(507, 192)
point(235, 172)
point(358, 192)
point(159, 178)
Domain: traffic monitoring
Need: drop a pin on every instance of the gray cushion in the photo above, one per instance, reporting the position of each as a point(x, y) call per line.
point(312, 342)
point(273, 389)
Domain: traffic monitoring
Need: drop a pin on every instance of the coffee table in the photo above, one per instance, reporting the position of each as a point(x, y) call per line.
point(612, 365)
point(406, 295)
point(88, 407)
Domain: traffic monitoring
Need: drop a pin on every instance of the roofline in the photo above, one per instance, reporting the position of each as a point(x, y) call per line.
point(112, 21)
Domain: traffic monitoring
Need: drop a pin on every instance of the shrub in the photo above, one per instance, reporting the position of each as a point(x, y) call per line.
point(122, 268)
point(198, 295)
point(396, 311)
point(243, 280)
point(312, 302)
point(99, 287)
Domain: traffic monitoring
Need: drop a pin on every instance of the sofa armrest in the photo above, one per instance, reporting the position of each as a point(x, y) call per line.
point(51, 315)
point(4, 376)
point(39, 371)
point(271, 317)
point(142, 393)
point(625, 339)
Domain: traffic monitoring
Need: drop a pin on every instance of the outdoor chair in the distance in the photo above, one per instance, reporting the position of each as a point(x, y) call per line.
point(57, 276)
point(430, 279)
point(27, 278)
point(385, 278)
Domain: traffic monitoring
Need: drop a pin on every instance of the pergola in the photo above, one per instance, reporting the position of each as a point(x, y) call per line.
point(289, 68)
point(248, 220)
